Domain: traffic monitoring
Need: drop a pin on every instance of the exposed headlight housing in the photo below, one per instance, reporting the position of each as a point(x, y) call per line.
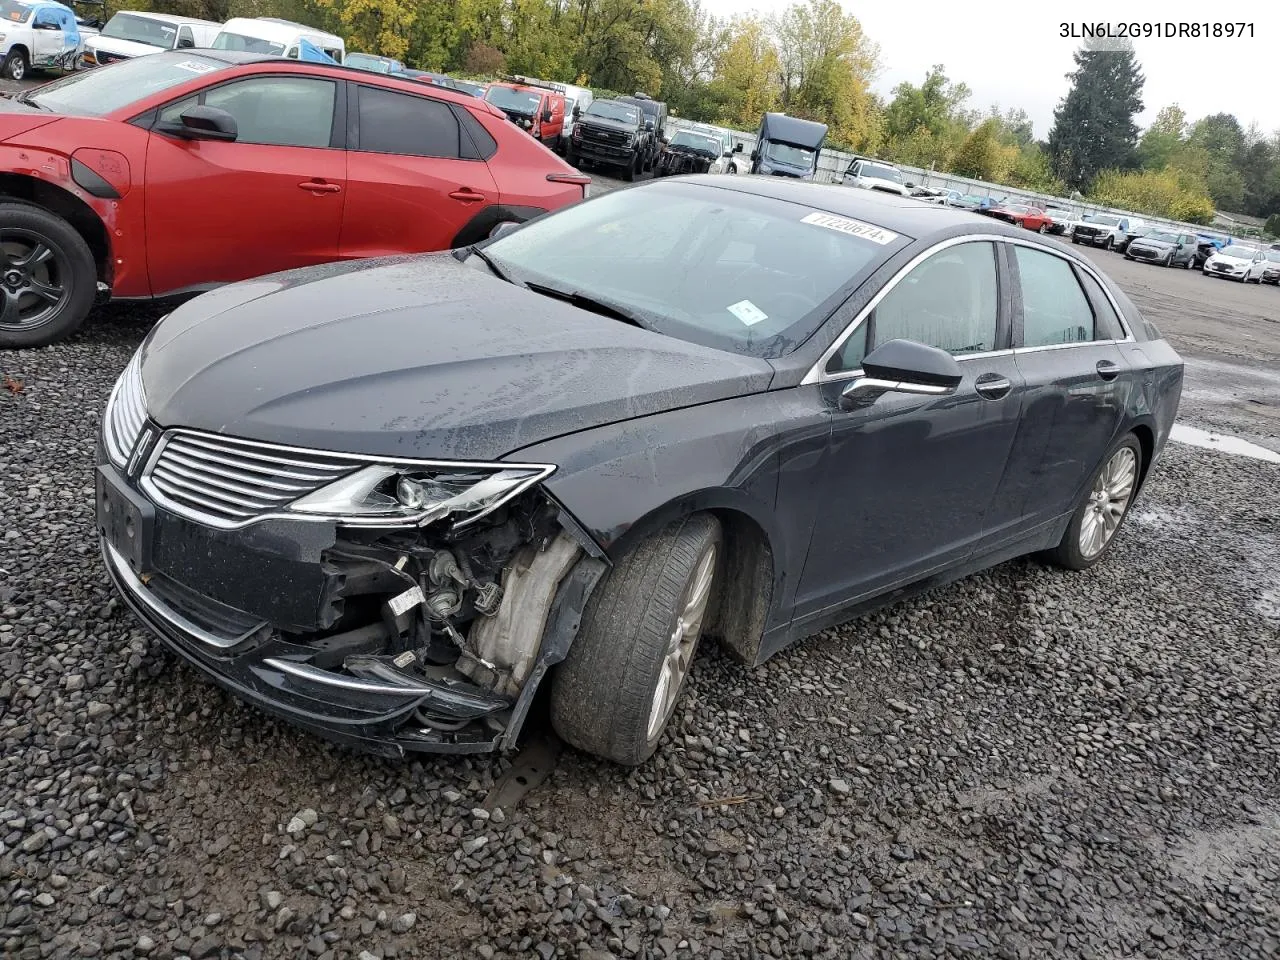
point(394, 495)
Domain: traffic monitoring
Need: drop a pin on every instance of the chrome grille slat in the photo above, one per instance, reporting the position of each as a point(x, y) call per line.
point(321, 464)
point(125, 415)
point(187, 479)
point(216, 467)
point(227, 481)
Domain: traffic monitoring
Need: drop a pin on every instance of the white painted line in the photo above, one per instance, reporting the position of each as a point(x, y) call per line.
point(1222, 443)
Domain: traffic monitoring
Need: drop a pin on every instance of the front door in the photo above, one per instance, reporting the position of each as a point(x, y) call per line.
point(908, 481)
point(271, 200)
point(410, 188)
point(46, 38)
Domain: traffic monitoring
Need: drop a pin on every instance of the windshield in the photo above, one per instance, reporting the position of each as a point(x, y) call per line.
point(786, 153)
point(238, 41)
point(366, 61)
point(1273, 256)
point(1017, 207)
point(126, 26)
point(698, 141)
point(466, 86)
point(1104, 220)
point(738, 272)
point(12, 12)
point(1164, 236)
point(1240, 253)
point(518, 101)
point(95, 93)
point(614, 111)
point(881, 173)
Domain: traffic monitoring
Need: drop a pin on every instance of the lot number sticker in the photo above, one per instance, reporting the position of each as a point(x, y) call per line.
point(747, 312)
point(855, 228)
point(194, 66)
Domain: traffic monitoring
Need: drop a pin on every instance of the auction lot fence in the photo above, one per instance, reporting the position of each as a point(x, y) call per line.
point(833, 163)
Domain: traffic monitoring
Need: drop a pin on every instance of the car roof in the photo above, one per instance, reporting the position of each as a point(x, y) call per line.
point(168, 18)
point(904, 215)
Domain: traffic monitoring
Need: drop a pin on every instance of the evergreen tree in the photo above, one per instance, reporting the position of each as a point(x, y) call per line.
point(1093, 126)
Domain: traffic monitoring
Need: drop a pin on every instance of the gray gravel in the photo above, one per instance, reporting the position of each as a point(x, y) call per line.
point(1026, 764)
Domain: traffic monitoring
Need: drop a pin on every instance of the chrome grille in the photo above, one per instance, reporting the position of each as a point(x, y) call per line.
point(226, 482)
point(126, 413)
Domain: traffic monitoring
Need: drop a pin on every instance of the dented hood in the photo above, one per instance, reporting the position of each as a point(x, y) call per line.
point(416, 357)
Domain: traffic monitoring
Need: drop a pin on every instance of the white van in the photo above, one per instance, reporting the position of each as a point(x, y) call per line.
point(273, 37)
point(134, 33)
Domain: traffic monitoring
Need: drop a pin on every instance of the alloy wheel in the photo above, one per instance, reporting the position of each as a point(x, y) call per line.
point(1108, 501)
point(17, 69)
point(33, 280)
point(683, 641)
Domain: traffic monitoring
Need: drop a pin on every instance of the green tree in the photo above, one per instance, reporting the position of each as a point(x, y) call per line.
point(981, 156)
point(746, 73)
point(1163, 138)
point(1272, 227)
point(1093, 126)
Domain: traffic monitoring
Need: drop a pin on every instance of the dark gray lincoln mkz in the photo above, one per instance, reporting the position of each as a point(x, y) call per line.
point(387, 500)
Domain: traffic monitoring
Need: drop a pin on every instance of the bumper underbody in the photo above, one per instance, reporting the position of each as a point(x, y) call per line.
point(311, 640)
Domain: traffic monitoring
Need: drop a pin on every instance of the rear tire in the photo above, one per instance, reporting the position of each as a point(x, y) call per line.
point(52, 296)
point(16, 66)
point(619, 685)
point(1101, 504)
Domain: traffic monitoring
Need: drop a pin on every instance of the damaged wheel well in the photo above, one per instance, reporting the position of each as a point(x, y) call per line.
point(69, 207)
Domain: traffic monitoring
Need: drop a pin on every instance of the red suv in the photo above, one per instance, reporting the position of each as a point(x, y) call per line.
point(181, 171)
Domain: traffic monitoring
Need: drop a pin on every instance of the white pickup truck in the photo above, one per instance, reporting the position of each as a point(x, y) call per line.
point(133, 33)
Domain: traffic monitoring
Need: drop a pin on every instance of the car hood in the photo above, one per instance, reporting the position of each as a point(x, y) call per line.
point(1230, 261)
point(879, 183)
point(604, 123)
point(121, 48)
point(19, 118)
point(1151, 242)
point(416, 357)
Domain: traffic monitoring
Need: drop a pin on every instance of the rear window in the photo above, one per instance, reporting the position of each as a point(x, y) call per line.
point(95, 93)
point(238, 41)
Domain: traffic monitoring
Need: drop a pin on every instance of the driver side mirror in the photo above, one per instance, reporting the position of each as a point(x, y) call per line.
point(738, 148)
point(186, 43)
point(204, 123)
point(909, 185)
point(902, 366)
point(577, 111)
point(546, 115)
point(648, 125)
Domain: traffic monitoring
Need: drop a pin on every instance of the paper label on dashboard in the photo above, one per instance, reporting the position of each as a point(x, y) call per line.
point(194, 66)
point(747, 312)
point(855, 228)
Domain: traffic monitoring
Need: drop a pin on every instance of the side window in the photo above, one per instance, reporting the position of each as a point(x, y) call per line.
point(1054, 308)
point(948, 301)
point(186, 38)
point(404, 124)
point(1108, 324)
point(47, 20)
point(279, 111)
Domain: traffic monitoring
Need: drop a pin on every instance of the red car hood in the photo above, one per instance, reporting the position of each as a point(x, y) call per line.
point(18, 118)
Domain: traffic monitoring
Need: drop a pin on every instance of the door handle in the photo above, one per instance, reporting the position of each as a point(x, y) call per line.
point(992, 386)
point(466, 195)
point(319, 186)
point(1108, 370)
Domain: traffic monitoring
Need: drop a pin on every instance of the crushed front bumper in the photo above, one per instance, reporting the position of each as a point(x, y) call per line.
point(342, 686)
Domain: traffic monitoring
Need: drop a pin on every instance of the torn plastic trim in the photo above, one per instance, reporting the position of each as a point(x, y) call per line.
point(562, 629)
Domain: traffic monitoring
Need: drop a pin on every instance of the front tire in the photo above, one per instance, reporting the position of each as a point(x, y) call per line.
point(619, 685)
point(48, 278)
point(1099, 517)
point(16, 65)
point(1111, 244)
point(1168, 261)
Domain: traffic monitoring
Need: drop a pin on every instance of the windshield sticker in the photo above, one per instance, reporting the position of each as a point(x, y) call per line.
point(855, 228)
point(194, 66)
point(747, 312)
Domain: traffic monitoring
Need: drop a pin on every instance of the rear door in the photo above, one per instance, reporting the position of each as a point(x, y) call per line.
point(1065, 334)
point(416, 176)
point(271, 200)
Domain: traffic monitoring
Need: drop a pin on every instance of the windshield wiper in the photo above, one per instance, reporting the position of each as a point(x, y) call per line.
point(587, 302)
point(500, 272)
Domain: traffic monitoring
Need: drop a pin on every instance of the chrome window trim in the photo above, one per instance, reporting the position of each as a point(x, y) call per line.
point(542, 471)
point(817, 373)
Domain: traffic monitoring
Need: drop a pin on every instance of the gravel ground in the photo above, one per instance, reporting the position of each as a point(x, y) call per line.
point(1029, 763)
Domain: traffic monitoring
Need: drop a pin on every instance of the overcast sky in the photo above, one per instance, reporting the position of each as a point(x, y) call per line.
point(1010, 53)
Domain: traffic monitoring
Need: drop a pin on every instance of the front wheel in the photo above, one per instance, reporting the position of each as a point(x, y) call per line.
point(1042, 229)
point(48, 278)
point(619, 685)
point(15, 65)
point(633, 168)
point(1111, 244)
point(1094, 525)
point(571, 156)
point(1168, 261)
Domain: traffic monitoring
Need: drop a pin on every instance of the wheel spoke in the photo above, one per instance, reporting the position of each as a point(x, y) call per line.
point(46, 291)
point(10, 314)
point(37, 255)
point(678, 655)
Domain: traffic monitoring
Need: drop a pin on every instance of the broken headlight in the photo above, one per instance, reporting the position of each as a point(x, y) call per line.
point(396, 495)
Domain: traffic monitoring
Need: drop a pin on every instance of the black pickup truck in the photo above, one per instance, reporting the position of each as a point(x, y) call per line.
point(609, 133)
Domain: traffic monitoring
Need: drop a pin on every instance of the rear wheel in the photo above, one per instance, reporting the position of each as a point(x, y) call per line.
point(619, 685)
point(16, 64)
point(1094, 525)
point(48, 278)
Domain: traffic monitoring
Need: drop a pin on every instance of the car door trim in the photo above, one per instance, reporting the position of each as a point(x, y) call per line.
point(818, 374)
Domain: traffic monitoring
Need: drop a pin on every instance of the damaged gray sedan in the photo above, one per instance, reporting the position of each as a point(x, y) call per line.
point(391, 501)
